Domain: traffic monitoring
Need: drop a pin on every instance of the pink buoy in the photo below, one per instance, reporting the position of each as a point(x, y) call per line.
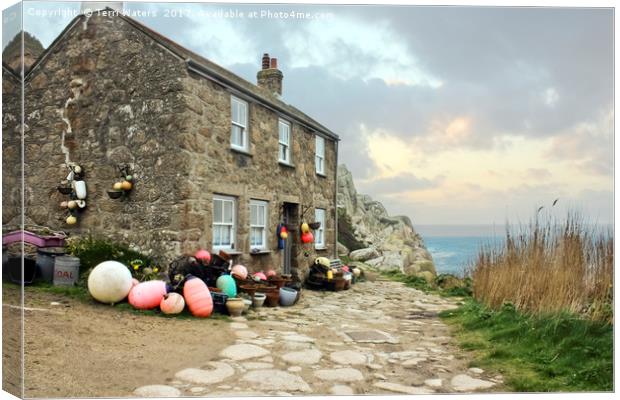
point(147, 295)
point(239, 271)
point(270, 273)
point(134, 282)
point(203, 255)
point(197, 297)
point(261, 276)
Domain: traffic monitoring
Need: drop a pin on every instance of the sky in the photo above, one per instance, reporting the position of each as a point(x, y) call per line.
point(450, 115)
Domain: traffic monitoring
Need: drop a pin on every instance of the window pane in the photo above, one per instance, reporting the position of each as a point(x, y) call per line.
point(235, 137)
point(217, 211)
point(253, 214)
point(243, 114)
point(226, 235)
point(259, 237)
point(235, 111)
point(216, 235)
point(261, 215)
point(228, 212)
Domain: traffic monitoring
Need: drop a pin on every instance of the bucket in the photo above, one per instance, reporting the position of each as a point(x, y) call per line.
point(45, 262)
point(66, 270)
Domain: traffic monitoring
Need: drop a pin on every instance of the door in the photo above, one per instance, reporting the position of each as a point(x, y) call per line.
point(290, 215)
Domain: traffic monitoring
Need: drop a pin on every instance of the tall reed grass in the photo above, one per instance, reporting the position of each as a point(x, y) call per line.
point(549, 266)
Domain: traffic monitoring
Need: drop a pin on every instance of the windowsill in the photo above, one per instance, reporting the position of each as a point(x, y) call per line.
point(228, 251)
point(259, 252)
point(285, 164)
point(241, 151)
point(321, 248)
point(322, 175)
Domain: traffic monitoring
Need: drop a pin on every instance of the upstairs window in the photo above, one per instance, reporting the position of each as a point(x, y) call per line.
point(224, 223)
point(284, 150)
point(239, 116)
point(320, 155)
point(258, 225)
point(319, 234)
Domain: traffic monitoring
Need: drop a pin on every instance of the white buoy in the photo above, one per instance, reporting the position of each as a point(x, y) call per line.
point(109, 282)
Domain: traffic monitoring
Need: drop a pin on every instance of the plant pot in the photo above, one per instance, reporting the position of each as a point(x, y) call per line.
point(314, 225)
point(113, 194)
point(278, 282)
point(246, 305)
point(235, 306)
point(272, 298)
point(339, 284)
point(250, 289)
point(65, 189)
point(258, 300)
point(288, 296)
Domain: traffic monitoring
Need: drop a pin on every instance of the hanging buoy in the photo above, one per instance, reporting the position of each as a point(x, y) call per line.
point(80, 189)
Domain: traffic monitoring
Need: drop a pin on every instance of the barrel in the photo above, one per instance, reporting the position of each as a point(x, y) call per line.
point(66, 270)
point(45, 262)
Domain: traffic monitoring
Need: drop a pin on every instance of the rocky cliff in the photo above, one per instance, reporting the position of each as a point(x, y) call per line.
point(366, 233)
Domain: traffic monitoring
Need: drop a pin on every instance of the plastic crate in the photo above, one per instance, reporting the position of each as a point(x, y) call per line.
point(219, 302)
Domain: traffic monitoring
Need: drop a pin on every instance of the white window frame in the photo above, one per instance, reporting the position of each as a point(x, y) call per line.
point(265, 206)
point(233, 225)
point(319, 234)
point(243, 125)
point(287, 145)
point(319, 159)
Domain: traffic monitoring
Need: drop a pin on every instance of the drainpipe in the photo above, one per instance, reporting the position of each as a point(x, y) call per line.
point(336, 203)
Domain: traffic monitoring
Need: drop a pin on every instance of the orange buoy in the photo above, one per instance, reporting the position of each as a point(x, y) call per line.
point(197, 297)
point(172, 303)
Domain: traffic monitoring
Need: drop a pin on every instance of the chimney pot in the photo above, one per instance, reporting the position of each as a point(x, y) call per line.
point(270, 77)
point(266, 61)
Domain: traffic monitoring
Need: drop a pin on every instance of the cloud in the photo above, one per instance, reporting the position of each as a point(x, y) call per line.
point(398, 184)
point(353, 48)
point(587, 146)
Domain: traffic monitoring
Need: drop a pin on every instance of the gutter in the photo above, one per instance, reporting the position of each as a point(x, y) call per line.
point(220, 79)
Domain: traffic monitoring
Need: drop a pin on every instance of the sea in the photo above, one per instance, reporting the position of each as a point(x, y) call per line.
point(454, 247)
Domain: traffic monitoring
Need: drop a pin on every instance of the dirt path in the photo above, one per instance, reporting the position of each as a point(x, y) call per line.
point(377, 338)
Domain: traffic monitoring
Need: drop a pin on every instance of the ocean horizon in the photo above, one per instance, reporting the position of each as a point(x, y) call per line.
point(455, 247)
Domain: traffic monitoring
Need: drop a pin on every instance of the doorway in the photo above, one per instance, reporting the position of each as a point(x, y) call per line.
point(290, 216)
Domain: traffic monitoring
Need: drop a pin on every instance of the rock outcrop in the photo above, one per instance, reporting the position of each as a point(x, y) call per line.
point(379, 240)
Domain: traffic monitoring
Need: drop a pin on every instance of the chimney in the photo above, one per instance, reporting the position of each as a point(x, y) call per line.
point(270, 77)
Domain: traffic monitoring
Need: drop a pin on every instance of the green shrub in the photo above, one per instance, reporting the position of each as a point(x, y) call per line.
point(92, 251)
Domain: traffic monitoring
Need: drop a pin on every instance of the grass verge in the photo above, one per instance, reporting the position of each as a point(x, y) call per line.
point(544, 353)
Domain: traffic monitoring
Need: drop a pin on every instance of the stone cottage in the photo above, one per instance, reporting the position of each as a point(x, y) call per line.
point(218, 162)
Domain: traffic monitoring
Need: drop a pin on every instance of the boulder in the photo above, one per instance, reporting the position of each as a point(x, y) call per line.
point(364, 254)
point(389, 242)
point(428, 276)
point(342, 250)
